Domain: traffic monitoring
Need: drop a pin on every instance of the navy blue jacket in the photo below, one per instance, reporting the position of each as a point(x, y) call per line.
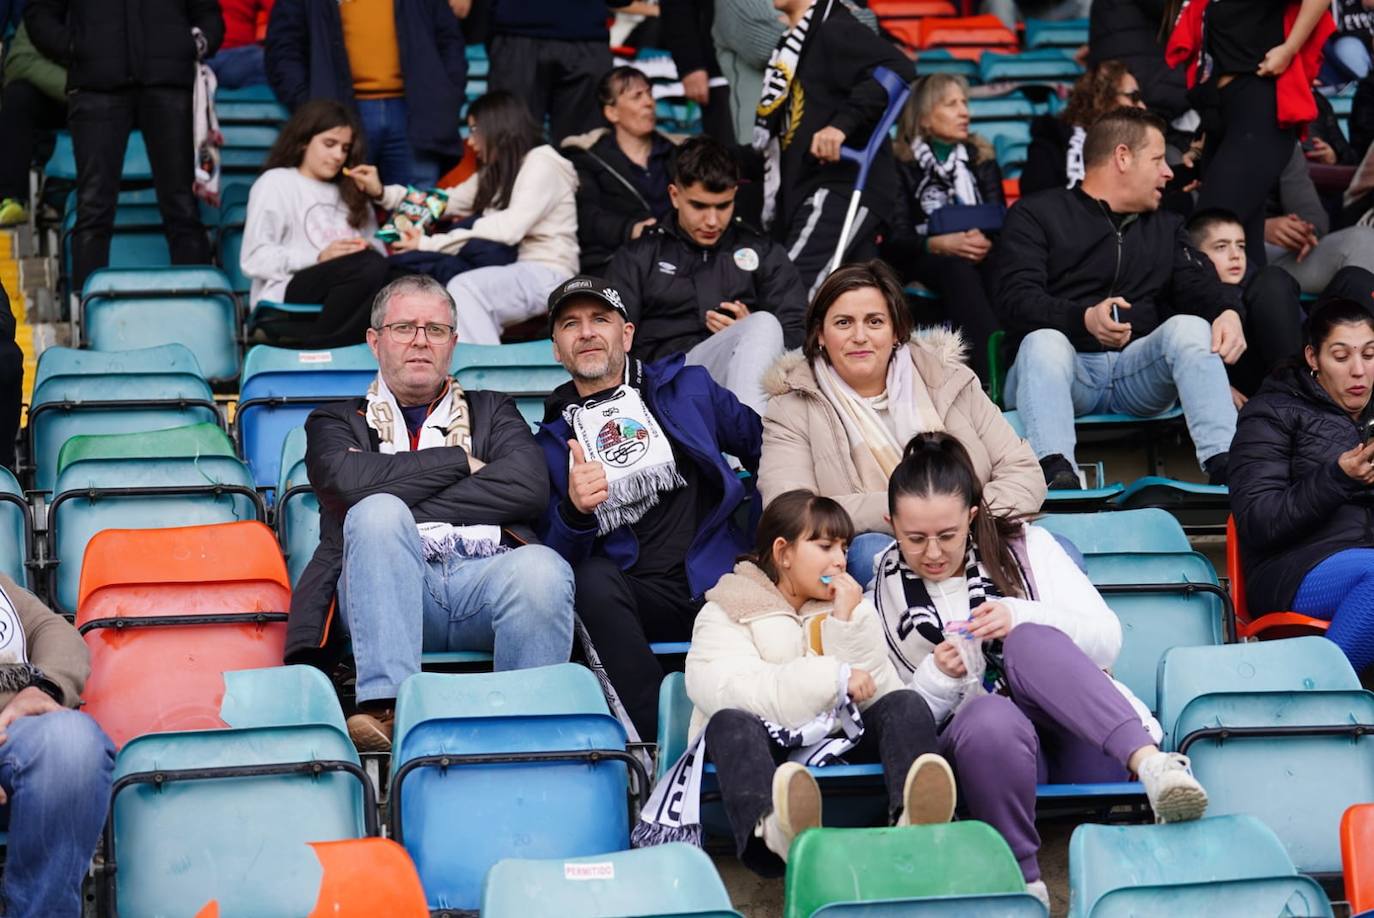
point(703, 420)
point(306, 59)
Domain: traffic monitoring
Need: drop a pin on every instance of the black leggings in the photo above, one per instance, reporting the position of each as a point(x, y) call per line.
point(964, 299)
point(1245, 159)
point(345, 286)
point(897, 728)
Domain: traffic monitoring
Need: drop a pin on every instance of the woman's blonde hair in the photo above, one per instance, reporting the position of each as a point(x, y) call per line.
point(926, 93)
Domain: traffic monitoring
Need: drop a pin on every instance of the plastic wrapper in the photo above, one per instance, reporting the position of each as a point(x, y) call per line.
point(971, 654)
point(419, 209)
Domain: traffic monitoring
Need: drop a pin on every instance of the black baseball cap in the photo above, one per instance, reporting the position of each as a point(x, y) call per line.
point(585, 285)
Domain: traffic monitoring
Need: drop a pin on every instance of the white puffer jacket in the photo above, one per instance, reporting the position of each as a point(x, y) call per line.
point(750, 651)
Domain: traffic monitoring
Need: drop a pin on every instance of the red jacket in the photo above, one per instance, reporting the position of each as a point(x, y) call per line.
point(1295, 102)
point(242, 21)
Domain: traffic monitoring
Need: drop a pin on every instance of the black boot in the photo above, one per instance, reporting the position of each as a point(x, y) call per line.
point(1060, 474)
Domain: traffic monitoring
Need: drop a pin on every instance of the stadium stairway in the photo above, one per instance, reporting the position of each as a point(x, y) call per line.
point(9, 276)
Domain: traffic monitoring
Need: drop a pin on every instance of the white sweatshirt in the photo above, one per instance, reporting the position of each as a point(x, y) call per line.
point(291, 219)
point(540, 218)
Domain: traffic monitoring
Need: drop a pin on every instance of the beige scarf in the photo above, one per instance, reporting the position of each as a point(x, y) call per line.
point(906, 400)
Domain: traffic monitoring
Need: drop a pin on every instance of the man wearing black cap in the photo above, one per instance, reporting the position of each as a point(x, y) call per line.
point(641, 502)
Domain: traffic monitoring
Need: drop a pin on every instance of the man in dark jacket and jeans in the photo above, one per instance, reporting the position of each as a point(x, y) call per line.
point(1115, 309)
point(130, 64)
point(641, 500)
point(425, 494)
point(703, 285)
point(400, 63)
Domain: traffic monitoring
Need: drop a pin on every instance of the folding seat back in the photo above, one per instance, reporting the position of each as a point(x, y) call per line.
point(1053, 65)
point(61, 165)
point(16, 528)
point(125, 308)
point(191, 441)
point(1270, 625)
point(67, 406)
point(673, 879)
point(297, 508)
point(1149, 530)
point(828, 867)
point(1221, 865)
point(366, 877)
point(1060, 33)
point(71, 361)
point(96, 494)
point(526, 371)
point(255, 104)
point(493, 765)
point(226, 814)
point(1357, 856)
point(229, 245)
point(969, 31)
point(281, 387)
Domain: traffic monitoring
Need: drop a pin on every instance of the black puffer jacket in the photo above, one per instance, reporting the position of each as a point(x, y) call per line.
point(114, 44)
point(903, 243)
point(1128, 31)
point(608, 203)
point(669, 283)
point(1294, 507)
point(344, 465)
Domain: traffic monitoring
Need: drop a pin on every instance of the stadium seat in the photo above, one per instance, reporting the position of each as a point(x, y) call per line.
point(1222, 865)
point(95, 494)
point(166, 612)
point(1102, 420)
point(190, 441)
point(66, 406)
point(1137, 531)
point(61, 165)
point(249, 105)
point(1279, 730)
point(71, 361)
point(1272, 624)
point(940, 60)
point(16, 530)
point(494, 765)
point(899, 867)
point(229, 246)
point(1357, 856)
point(526, 371)
point(138, 241)
point(227, 814)
point(674, 879)
point(297, 508)
point(124, 308)
point(1197, 505)
point(1056, 33)
point(1045, 65)
point(969, 31)
point(911, 9)
point(280, 387)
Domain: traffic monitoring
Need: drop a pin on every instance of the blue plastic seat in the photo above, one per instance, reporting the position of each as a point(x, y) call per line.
point(1043, 65)
point(16, 527)
point(61, 164)
point(71, 361)
point(297, 509)
point(1222, 865)
point(673, 879)
point(65, 406)
point(125, 308)
point(1278, 730)
point(526, 371)
point(180, 840)
point(95, 494)
point(1056, 33)
point(229, 246)
point(1140, 531)
point(458, 814)
point(939, 60)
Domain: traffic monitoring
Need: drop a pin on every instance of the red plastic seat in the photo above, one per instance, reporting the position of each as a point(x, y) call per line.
point(166, 612)
point(1357, 857)
point(911, 9)
point(985, 31)
point(1273, 624)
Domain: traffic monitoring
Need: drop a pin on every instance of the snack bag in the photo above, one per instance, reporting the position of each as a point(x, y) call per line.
point(419, 208)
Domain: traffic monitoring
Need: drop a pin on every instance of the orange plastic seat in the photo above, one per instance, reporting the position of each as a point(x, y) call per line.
point(365, 877)
point(985, 31)
point(1357, 857)
point(911, 9)
point(1011, 190)
point(166, 612)
point(1272, 625)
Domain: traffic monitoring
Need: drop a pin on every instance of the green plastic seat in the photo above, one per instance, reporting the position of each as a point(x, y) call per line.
point(832, 866)
point(191, 441)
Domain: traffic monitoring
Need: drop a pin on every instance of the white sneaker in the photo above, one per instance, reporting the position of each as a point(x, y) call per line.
point(1039, 890)
point(796, 806)
point(1174, 794)
point(928, 794)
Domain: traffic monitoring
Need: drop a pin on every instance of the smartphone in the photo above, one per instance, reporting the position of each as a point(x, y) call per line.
point(1367, 431)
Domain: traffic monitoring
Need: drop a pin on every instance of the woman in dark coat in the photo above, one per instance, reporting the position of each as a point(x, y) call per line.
point(1301, 470)
point(939, 163)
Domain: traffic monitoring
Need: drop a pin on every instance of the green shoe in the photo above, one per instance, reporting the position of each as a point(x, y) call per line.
point(12, 213)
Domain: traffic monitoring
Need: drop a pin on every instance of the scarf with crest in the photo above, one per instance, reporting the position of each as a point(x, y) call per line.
point(943, 183)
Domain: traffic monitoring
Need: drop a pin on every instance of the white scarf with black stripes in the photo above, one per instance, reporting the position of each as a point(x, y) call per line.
point(16, 672)
point(943, 183)
point(1073, 159)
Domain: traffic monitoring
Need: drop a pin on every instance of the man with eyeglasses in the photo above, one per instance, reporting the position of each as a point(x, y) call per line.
point(426, 495)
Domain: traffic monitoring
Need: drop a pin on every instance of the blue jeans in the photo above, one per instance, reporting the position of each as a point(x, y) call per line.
point(239, 67)
point(517, 605)
point(1174, 362)
point(388, 145)
point(863, 553)
point(56, 769)
point(1346, 59)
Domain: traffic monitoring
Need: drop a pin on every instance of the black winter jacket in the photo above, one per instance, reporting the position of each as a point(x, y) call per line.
point(903, 244)
point(1060, 252)
point(608, 203)
point(1128, 31)
point(1294, 507)
point(115, 44)
point(1047, 158)
point(344, 465)
point(306, 59)
point(669, 283)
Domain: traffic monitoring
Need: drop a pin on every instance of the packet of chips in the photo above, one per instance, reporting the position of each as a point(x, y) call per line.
point(419, 209)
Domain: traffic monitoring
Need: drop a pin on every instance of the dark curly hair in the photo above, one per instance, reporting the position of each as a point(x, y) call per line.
point(1095, 93)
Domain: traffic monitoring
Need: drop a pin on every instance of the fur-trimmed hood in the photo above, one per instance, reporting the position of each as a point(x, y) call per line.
point(934, 346)
point(748, 594)
point(590, 139)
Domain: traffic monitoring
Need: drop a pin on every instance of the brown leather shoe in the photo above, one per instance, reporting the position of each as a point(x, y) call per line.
point(371, 732)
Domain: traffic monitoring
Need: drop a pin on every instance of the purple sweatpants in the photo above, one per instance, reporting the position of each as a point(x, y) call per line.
point(1064, 722)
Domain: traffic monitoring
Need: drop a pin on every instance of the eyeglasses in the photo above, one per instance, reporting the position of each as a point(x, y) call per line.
point(406, 332)
point(1134, 96)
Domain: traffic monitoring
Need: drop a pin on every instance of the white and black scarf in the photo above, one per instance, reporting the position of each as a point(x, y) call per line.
point(16, 672)
point(618, 430)
point(1073, 158)
point(673, 813)
point(781, 104)
point(943, 183)
point(447, 424)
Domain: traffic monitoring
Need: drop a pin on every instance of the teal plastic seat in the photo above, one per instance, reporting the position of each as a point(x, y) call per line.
point(71, 361)
point(1054, 65)
point(16, 526)
point(67, 406)
point(1150, 530)
point(95, 494)
point(1221, 865)
point(266, 359)
point(297, 509)
point(526, 371)
point(61, 165)
point(1098, 420)
point(1056, 33)
point(673, 879)
point(180, 841)
point(125, 308)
